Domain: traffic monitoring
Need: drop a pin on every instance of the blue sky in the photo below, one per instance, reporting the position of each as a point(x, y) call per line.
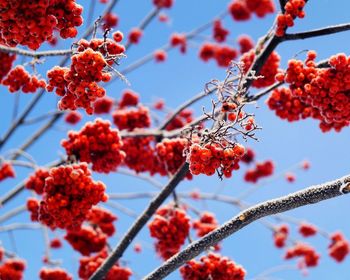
point(181, 77)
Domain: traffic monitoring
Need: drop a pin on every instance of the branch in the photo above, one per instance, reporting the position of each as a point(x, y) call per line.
point(34, 53)
point(140, 222)
point(311, 195)
point(317, 32)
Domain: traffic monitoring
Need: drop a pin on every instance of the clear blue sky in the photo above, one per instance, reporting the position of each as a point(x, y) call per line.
point(175, 81)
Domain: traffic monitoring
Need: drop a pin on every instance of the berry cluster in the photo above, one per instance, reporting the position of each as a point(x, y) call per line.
point(309, 255)
point(86, 240)
point(245, 43)
point(179, 40)
point(12, 269)
point(129, 98)
point(141, 155)
point(19, 79)
point(78, 85)
point(103, 219)
point(293, 9)
point(212, 156)
point(307, 230)
point(30, 23)
point(163, 3)
point(6, 64)
point(88, 266)
point(170, 227)
point(96, 143)
point(6, 171)
point(280, 235)
point(263, 169)
point(212, 266)
point(69, 194)
point(73, 117)
point(339, 247)
point(36, 181)
point(103, 105)
point(222, 54)
point(170, 152)
point(287, 106)
point(219, 32)
point(132, 118)
point(243, 9)
point(268, 71)
point(320, 93)
point(180, 120)
point(54, 274)
point(205, 224)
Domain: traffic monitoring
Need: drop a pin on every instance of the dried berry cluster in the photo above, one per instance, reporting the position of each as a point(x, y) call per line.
point(320, 93)
point(19, 79)
point(261, 170)
point(212, 266)
point(268, 71)
point(69, 194)
point(30, 23)
point(293, 9)
point(170, 227)
point(6, 171)
point(212, 156)
point(98, 144)
point(88, 266)
point(308, 254)
point(78, 85)
point(243, 9)
point(54, 274)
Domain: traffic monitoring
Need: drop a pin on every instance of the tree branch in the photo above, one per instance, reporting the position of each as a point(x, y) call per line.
point(34, 53)
point(317, 32)
point(311, 195)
